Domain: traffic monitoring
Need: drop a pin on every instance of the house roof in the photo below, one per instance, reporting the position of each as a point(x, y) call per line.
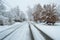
point(3, 18)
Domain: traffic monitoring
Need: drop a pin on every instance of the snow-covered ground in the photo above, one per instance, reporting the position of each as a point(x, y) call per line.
point(53, 30)
point(20, 34)
point(36, 34)
point(8, 26)
point(21, 31)
point(17, 31)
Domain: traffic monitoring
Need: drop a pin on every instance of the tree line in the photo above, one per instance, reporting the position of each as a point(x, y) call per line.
point(46, 13)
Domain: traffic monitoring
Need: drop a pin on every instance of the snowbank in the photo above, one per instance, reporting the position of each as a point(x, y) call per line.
point(52, 31)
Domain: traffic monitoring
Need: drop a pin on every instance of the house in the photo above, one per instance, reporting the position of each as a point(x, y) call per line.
point(4, 20)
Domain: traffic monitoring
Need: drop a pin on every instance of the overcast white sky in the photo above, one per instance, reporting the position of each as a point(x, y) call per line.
point(23, 4)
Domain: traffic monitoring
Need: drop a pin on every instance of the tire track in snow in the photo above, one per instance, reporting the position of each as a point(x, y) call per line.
point(31, 33)
point(47, 37)
point(22, 33)
point(35, 35)
point(11, 32)
point(7, 29)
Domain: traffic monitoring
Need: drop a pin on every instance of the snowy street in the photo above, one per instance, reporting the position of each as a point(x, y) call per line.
point(27, 31)
point(29, 19)
point(52, 31)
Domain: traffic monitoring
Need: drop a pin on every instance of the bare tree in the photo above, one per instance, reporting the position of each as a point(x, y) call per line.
point(37, 12)
point(50, 13)
point(49, 9)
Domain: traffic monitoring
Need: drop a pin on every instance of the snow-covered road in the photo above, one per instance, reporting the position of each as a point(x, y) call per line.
point(17, 31)
point(52, 31)
point(27, 31)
